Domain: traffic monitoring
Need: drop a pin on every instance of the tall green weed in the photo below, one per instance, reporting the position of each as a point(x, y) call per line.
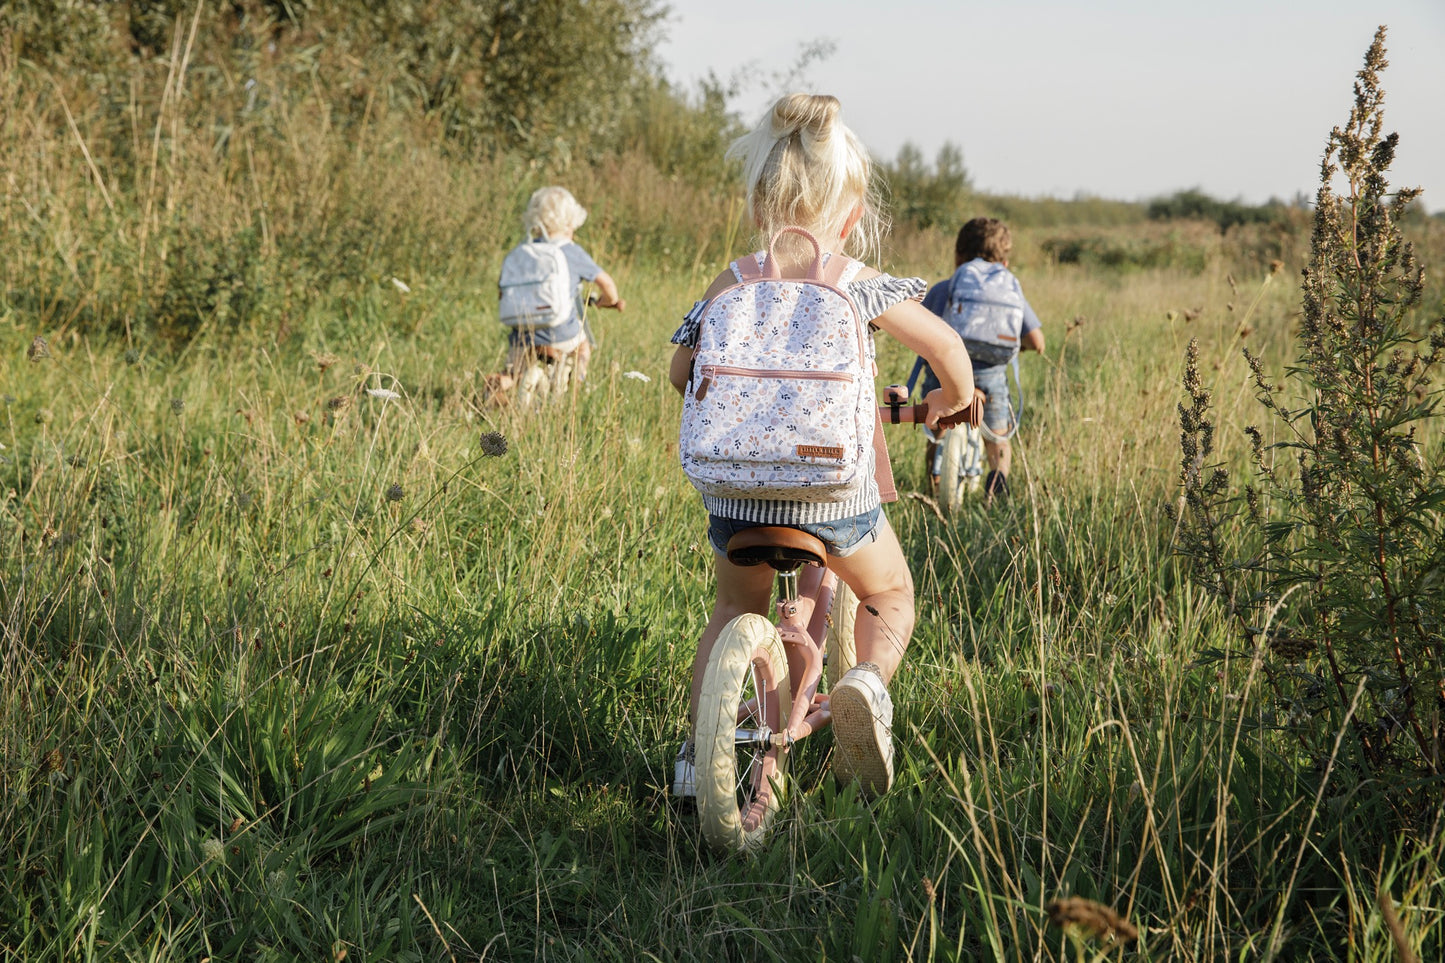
point(1330, 557)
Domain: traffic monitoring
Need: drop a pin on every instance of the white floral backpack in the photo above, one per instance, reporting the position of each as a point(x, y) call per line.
point(780, 404)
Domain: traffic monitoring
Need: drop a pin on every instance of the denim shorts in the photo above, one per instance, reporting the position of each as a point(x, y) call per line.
point(997, 412)
point(992, 380)
point(842, 536)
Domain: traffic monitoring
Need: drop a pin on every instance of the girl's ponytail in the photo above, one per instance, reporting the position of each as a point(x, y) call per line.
point(803, 167)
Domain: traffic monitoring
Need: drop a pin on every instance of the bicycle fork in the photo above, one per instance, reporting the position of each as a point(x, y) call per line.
point(810, 711)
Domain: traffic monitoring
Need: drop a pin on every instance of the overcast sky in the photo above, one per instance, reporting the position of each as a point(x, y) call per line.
point(1117, 98)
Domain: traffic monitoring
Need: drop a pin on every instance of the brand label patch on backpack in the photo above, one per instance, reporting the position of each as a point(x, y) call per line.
point(821, 451)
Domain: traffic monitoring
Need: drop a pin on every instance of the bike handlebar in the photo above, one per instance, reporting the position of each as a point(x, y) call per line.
point(897, 411)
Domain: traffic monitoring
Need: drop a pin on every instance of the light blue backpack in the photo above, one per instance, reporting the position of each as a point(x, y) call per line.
point(986, 308)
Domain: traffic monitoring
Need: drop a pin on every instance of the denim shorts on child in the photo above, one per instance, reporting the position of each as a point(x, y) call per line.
point(842, 536)
point(993, 381)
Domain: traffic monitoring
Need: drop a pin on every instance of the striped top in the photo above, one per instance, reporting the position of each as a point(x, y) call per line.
point(873, 296)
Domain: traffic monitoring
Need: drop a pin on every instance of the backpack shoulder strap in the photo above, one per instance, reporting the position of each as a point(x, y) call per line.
point(748, 268)
point(839, 270)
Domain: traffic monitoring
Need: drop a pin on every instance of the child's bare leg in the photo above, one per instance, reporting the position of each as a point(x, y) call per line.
point(1000, 455)
point(878, 574)
point(583, 355)
point(740, 589)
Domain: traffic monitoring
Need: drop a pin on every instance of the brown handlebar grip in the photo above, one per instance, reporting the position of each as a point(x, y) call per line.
point(972, 415)
point(918, 414)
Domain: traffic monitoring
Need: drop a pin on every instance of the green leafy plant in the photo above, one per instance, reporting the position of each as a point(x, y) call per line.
point(1331, 558)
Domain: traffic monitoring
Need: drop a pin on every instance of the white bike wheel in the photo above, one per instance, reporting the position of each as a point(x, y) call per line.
point(962, 466)
point(841, 649)
point(744, 687)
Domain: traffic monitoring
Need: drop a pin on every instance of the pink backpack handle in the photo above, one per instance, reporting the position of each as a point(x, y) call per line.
point(774, 271)
point(830, 273)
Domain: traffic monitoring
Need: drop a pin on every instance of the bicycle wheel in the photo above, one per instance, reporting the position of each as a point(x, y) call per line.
point(744, 688)
point(842, 653)
point(962, 466)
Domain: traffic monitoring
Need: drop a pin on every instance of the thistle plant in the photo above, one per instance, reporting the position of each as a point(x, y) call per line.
point(1331, 559)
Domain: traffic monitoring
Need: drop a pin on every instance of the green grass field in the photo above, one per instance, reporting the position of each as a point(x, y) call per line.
point(309, 652)
point(294, 670)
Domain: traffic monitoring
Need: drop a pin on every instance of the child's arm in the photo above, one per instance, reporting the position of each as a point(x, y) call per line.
point(929, 337)
point(607, 288)
point(680, 369)
point(1033, 341)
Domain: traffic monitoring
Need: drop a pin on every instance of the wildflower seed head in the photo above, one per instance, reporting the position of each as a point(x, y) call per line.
point(132, 357)
point(1094, 919)
point(44, 416)
point(301, 417)
point(325, 360)
point(213, 851)
point(494, 444)
point(39, 349)
point(178, 405)
point(395, 493)
point(338, 403)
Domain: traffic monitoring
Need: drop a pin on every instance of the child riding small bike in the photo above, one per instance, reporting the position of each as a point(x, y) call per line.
point(811, 194)
point(541, 299)
point(985, 304)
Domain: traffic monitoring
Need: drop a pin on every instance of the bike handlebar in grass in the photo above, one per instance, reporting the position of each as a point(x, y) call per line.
point(897, 411)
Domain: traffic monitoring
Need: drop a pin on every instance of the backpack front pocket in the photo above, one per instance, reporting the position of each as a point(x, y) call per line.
point(790, 433)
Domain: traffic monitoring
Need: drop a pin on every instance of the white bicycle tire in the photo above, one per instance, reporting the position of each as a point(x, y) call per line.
point(962, 448)
point(739, 790)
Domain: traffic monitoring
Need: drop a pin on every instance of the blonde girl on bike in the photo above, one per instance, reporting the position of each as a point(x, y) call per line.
point(565, 349)
point(802, 167)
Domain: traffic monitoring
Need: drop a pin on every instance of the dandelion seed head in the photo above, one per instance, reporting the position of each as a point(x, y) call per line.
point(494, 444)
point(39, 349)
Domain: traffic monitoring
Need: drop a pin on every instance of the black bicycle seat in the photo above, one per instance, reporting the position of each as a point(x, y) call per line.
point(782, 548)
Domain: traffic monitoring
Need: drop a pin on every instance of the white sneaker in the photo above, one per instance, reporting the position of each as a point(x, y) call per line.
point(863, 729)
point(684, 776)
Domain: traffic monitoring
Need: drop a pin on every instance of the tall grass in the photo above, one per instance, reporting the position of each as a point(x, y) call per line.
point(296, 668)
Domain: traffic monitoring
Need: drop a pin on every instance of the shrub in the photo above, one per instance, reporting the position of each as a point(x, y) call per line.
point(1332, 558)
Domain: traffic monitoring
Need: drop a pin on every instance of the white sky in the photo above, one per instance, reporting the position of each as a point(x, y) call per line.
point(1123, 99)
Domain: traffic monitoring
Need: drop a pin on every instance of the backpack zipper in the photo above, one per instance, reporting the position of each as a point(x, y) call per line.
point(709, 370)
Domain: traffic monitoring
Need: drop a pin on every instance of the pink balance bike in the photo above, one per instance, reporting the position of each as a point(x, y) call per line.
point(760, 688)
